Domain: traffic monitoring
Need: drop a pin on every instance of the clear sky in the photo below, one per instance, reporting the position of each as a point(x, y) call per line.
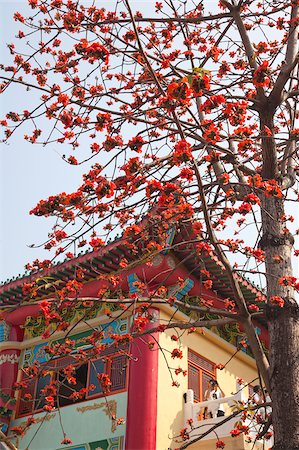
point(28, 173)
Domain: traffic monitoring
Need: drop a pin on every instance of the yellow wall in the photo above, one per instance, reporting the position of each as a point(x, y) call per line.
point(170, 414)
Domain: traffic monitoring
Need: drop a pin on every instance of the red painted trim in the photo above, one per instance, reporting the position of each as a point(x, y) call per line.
point(18, 317)
point(141, 420)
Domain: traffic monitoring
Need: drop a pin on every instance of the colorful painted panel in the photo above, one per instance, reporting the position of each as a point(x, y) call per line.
point(37, 353)
point(116, 443)
point(35, 326)
point(80, 447)
point(4, 331)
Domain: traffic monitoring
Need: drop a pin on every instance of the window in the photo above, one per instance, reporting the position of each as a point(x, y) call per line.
point(66, 389)
point(112, 364)
point(114, 367)
point(200, 371)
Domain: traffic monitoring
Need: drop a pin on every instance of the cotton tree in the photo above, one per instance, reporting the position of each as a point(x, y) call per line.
point(189, 114)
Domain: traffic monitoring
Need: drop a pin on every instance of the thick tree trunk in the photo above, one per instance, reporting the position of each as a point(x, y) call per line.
point(284, 342)
point(283, 326)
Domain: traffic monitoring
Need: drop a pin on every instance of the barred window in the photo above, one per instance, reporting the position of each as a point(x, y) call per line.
point(85, 374)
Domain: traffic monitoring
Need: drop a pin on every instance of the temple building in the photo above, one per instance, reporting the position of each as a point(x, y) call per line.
point(155, 398)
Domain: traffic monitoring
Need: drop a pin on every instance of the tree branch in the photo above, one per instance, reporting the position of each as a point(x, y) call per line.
point(254, 341)
point(291, 60)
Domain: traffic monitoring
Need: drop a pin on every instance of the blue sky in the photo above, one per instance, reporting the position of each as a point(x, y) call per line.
point(28, 174)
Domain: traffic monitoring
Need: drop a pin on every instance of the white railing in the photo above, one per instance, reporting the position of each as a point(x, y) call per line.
point(194, 411)
point(200, 426)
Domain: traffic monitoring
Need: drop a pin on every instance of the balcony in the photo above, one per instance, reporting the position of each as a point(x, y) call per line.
point(211, 430)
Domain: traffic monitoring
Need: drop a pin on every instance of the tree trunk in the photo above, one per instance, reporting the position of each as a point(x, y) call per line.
point(283, 324)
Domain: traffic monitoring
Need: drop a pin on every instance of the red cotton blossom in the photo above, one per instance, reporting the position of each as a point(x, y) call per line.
point(220, 366)
point(211, 132)
point(277, 301)
point(208, 284)
point(96, 243)
point(184, 434)
point(261, 76)
point(220, 444)
point(177, 353)
point(182, 152)
point(239, 429)
point(136, 144)
point(200, 83)
point(190, 422)
point(66, 441)
point(111, 142)
point(95, 147)
point(253, 308)
point(236, 112)
point(103, 121)
point(161, 328)
point(105, 382)
point(180, 91)
point(92, 52)
point(18, 431)
point(212, 102)
point(187, 173)
point(288, 281)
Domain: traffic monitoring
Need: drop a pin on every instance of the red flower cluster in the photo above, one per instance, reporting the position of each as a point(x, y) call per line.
point(200, 83)
point(220, 366)
point(208, 284)
point(92, 52)
point(105, 382)
point(236, 112)
point(211, 133)
point(140, 323)
point(184, 434)
point(253, 308)
point(120, 339)
point(111, 142)
point(17, 431)
point(180, 91)
point(96, 243)
point(277, 301)
point(66, 441)
point(261, 76)
point(289, 281)
point(161, 328)
point(257, 253)
point(136, 144)
point(29, 289)
point(177, 353)
point(187, 88)
point(103, 121)
point(239, 429)
point(212, 103)
point(182, 152)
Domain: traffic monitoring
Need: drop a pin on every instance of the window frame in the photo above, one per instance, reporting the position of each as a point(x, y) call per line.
point(108, 372)
point(202, 371)
point(55, 375)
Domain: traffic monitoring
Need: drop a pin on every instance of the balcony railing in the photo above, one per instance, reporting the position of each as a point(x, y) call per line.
point(194, 411)
point(201, 426)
